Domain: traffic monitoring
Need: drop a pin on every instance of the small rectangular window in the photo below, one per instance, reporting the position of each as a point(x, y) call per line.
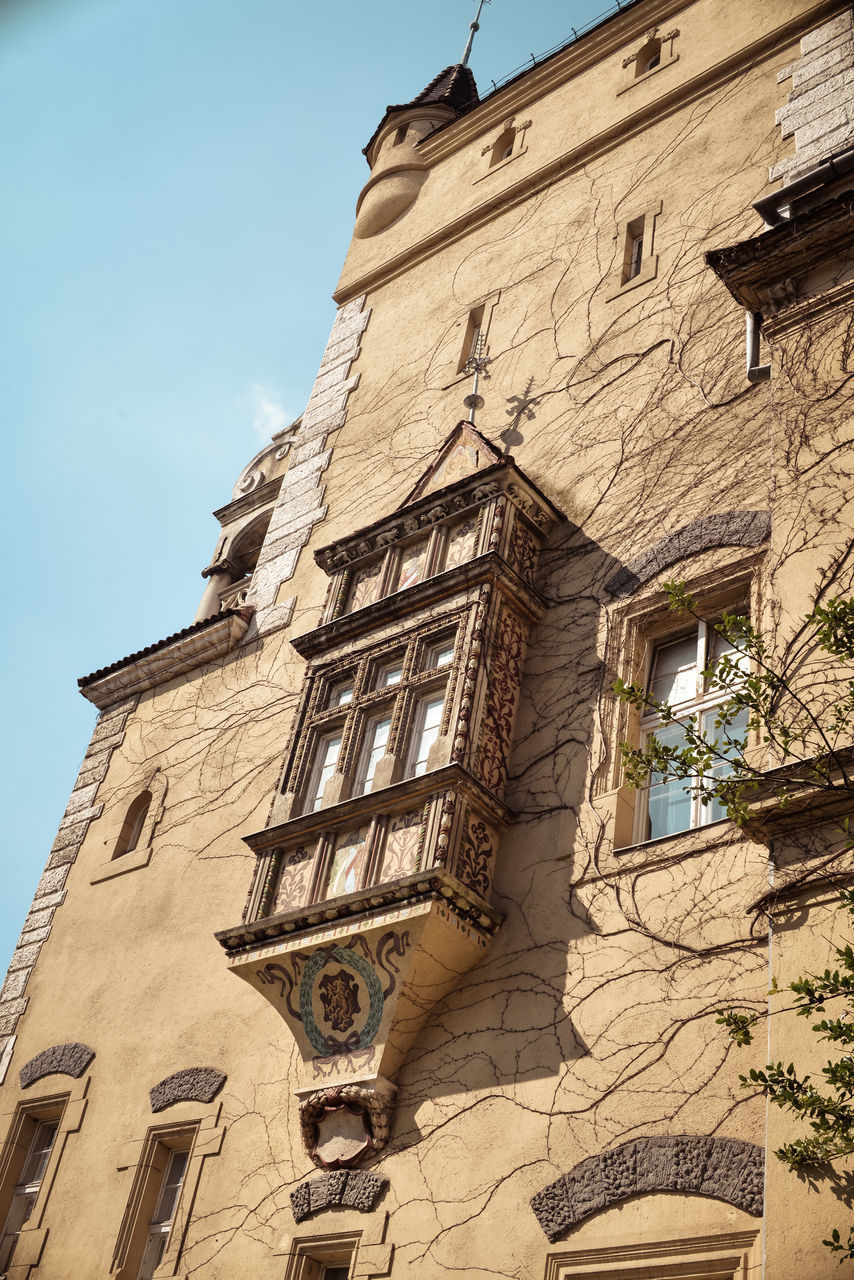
point(27, 1188)
point(164, 1214)
point(633, 259)
point(390, 674)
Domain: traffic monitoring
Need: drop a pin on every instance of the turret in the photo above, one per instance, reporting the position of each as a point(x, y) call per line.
point(397, 171)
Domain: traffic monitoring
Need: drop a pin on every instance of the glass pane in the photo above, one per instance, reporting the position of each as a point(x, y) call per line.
point(669, 803)
point(440, 655)
point(673, 677)
point(390, 675)
point(376, 742)
point(718, 648)
point(428, 723)
point(341, 694)
point(154, 1250)
point(738, 729)
point(323, 769)
point(171, 1187)
point(39, 1154)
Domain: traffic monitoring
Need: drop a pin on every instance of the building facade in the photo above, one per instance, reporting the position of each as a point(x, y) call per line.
point(355, 953)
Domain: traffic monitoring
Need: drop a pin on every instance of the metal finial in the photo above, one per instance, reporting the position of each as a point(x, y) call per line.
point(473, 27)
point(476, 364)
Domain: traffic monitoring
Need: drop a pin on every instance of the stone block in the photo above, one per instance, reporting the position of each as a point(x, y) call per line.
point(841, 25)
point(275, 616)
point(306, 469)
point(107, 729)
point(82, 815)
point(341, 388)
point(822, 66)
point(7, 1046)
point(340, 355)
point(10, 1012)
point(350, 309)
point(63, 857)
point(107, 743)
point(322, 421)
point(29, 936)
point(52, 880)
point(37, 919)
point(300, 523)
point(16, 981)
point(25, 956)
point(327, 1190)
point(80, 798)
point(288, 511)
point(303, 452)
point(820, 126)
point(328, 380)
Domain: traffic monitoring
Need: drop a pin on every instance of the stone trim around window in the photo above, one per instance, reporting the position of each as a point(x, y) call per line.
point(642, 222)
point(730, 1255)
point(68, 1107)
point(118, 864)
point(359, 1241)
point(193, 1128)
point(655, 41)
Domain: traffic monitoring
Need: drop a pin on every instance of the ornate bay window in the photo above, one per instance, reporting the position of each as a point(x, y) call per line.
point(372, 892)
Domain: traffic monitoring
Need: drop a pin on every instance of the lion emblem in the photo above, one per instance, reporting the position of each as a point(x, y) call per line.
point(339, 995)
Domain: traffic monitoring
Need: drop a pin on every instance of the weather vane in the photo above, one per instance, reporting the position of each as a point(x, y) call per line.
point(476, 364)
point(473, 27)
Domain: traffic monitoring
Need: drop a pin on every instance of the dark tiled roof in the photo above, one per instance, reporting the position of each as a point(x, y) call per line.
point(454, 87)
point(195, 627)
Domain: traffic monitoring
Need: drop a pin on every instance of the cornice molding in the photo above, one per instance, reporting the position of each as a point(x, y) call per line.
point(415, 892)
point(400, 606)
point(530, 87)
point(214, 640)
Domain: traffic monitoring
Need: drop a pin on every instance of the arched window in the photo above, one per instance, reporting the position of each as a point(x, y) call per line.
point(649, 56)
point(503, 147)
point(133, 825)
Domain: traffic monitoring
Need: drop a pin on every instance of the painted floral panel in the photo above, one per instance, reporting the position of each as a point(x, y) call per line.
point(347, 863)
point(402, 846)
point(364, 587)
point(412, 563)
point(294, 878)
point(461, 543)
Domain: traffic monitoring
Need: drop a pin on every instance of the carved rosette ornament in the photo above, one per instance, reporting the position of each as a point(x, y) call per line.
point(369, 903)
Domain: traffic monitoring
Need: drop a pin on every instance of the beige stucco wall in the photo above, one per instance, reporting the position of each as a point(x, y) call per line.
point(592, 1021)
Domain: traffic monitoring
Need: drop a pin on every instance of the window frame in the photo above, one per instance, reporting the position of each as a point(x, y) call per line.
point(22, 1191)
point(703, 702)
point(371, 704)
point(633, 628)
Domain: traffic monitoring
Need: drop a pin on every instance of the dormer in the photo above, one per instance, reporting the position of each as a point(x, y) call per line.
point(373, 886)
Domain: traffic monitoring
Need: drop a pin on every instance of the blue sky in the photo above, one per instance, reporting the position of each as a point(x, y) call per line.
point(180, 181)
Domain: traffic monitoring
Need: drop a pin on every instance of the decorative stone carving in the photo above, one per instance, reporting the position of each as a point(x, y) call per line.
point(61, 1059)
point(343, 1124)
point(194, 1084)
point(348, 1189)
point(722, 1168)
point(724, 529)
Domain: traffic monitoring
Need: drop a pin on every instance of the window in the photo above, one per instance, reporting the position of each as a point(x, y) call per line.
point(325, 760)
point(474, 333)
point(682, 674)
point(648, 57)
point(133, 825)
point(400, 135)
point(319, 1259)
point(425, 731)
point(27, 1187)
point(167, 1169)
point(373, 750)
point(164, 1213)
point(633, 257)
point(376, 725)
point(503, 147)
